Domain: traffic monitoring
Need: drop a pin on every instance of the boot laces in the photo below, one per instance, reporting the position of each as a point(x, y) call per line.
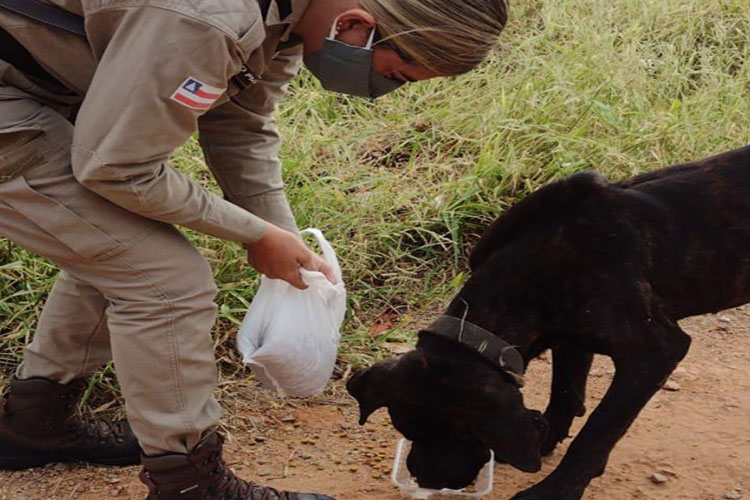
point(101, 429)
point(230, 487)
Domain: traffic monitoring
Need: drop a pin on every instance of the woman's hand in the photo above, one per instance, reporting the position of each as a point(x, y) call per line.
point(279, 254)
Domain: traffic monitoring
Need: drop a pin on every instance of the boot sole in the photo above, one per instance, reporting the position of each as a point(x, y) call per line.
point(20, 462)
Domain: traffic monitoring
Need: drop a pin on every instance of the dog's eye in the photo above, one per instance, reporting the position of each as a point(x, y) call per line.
point(540, 422)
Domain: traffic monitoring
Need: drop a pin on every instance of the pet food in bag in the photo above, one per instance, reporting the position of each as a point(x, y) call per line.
point(290, 336)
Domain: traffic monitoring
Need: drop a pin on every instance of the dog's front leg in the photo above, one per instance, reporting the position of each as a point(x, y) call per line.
point(570, 370)
point(640, 372)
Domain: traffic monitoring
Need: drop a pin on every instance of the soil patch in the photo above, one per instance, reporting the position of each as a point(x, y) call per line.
point(696, 435)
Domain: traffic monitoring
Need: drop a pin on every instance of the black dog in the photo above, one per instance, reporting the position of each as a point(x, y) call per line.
point(581, 266)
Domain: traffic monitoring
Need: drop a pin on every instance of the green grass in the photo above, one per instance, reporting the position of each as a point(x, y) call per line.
point(403, 187)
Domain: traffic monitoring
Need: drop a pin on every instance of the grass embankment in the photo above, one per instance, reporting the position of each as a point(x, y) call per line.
point(402, 187)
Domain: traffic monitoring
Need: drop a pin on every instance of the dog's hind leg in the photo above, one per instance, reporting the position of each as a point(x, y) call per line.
point(641, 369)
point(570, 370)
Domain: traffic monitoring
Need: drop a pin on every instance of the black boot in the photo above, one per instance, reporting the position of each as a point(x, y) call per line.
point(203, 475)
point(39, 425)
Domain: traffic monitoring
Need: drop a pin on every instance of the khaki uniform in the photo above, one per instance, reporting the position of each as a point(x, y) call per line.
point(100, 200)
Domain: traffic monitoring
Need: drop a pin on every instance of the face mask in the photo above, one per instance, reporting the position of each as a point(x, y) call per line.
point(347, 69)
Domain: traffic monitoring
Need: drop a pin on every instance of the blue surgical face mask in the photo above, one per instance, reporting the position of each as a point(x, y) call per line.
point(347, 69)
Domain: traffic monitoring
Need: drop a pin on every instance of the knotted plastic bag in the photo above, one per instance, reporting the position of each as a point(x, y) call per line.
point(289, 337)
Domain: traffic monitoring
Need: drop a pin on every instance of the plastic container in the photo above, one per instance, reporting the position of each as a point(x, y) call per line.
point(408, 486)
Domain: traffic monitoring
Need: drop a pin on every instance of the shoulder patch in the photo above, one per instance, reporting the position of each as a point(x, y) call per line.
point(194, 94)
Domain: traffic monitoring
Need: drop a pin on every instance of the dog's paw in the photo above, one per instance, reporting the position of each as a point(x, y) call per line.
point(531, 495)
point(551, 441)
point(548, 446)
point(559, 421)
point(543, 491)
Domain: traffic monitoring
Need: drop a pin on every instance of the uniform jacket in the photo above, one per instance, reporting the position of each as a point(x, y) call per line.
point(149, 74)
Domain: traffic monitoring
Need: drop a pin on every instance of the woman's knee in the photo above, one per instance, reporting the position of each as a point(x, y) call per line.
point(173, 270)
point(191, 280)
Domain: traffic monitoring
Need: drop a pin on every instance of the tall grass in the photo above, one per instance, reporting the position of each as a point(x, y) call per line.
point(402, 187)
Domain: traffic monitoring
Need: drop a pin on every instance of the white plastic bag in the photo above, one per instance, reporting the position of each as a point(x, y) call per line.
point(290, 336)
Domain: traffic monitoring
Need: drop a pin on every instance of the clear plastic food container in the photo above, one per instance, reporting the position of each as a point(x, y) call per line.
point(408, 486)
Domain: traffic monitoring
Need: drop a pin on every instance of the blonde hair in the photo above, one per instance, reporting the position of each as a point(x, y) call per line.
point(449, 37)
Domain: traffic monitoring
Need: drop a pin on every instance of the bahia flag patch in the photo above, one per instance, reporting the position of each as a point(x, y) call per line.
point(195, 94)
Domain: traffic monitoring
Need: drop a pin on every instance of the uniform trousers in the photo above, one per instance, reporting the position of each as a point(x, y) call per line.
point(130, 289)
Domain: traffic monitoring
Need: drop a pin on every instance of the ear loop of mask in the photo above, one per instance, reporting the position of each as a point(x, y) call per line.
point(334, 33)
point(334, 28)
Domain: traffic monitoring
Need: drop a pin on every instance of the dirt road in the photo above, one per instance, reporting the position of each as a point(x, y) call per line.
point(697, 437)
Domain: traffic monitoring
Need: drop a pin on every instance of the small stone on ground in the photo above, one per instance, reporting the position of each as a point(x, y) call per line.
point(657, 478)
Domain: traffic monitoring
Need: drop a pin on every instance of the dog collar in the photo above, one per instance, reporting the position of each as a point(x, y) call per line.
point(490, 346)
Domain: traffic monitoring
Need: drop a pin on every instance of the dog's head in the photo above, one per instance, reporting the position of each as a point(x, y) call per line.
point(454, 406)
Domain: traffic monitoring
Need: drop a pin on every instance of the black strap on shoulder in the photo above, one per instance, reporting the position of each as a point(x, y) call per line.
point(284, 6)
point(265, 6)
point(54, 16)
point(490, 346)
point(13, 52)
point(47, 14)
point(67, 21)
point(16, 54)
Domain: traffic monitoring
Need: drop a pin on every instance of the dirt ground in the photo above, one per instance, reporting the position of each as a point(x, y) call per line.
point(696, 435)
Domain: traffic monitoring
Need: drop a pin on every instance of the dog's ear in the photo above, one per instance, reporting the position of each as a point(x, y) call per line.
point(551, 201)
point(372, 387)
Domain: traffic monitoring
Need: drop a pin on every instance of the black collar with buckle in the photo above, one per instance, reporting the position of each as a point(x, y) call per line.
point(490, 346)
